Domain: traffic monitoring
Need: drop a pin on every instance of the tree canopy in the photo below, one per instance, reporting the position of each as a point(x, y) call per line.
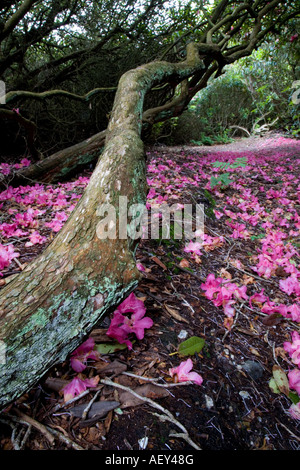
point(61, 61)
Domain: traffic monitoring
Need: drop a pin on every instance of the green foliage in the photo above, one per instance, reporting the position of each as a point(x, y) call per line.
point(238, 162)
point(269, 74)
point(224, 179)
point(110, 347)
point(191, 346)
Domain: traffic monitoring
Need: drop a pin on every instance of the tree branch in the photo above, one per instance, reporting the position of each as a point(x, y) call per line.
point(12, 22)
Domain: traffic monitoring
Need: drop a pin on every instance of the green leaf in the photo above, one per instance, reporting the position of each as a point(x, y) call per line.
point(281, 380)
point(191, 346)
point(273, 386)
point(110, 347)
point(294, 397)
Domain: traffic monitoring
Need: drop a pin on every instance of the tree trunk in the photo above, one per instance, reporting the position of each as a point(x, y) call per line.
point(49, 308)
point(58, 166)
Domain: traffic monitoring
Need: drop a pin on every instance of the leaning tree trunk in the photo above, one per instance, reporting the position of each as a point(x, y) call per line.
point(47, 310)
point(59, 165)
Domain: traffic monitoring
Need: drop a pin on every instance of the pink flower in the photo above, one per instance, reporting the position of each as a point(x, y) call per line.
point(56, 225)
point(193, 247)
point(290, 285)
point(182, 373)
point(239, 230)
point(25, 162)
point(35, 238)
point(5, 168)
point(7, 253)
point(270, 307)
point(294, 37)
point(223, 295)
point(240, 292)
point(258, 297)
point(81, 355)
point(293, 348)
point(211, 286)
point(118, 330)
point(294, 311)
point(121, 326)
point(140, 267)
point(294, 411)
point(11, 230)
point(78, 386)
point(294, 380)
point(228, 309)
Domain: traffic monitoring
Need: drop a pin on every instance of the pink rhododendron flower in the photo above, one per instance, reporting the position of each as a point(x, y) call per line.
point(11, 230)
point(25, 162)
point(118, 330)
point(258, 297)
point(294, 312)
point(294, 380)
point(228, 309)
point(7, 253)
point(5, 168)
point(140, 267)
point(239, 230)
point(80, 356)
point(56, 225)
point(193, 247)
point(270, 307)
point(290, 285)
point(211, 285)
point(121, 326)
point(294, 410)
point(182, 373)
point(293, 348)
point(77, 386)
point(221, 293)
point(36, 238)
point(240, 292)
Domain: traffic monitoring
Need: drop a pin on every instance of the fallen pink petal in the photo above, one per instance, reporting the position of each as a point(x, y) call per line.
point(80, 357)
point(182, 373)
point(77, 386)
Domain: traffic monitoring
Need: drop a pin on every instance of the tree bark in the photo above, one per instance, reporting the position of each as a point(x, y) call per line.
point(49, 308)
point(57, 167)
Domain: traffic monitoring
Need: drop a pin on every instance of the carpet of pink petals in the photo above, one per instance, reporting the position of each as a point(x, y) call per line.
point(261, 205)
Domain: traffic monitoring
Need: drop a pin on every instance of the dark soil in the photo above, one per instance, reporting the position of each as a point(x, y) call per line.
point(233, 409)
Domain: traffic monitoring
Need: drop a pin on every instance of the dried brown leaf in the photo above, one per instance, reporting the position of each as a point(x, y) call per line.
point(147, 390)
point(160, 263)
point(175, 314)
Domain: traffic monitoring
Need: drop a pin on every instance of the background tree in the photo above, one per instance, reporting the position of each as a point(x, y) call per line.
point(81, 46)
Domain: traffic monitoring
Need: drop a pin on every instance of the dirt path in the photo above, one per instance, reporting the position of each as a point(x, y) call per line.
point(271, 142)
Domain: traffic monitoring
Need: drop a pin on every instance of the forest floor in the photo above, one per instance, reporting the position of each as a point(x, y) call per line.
point(234, 408)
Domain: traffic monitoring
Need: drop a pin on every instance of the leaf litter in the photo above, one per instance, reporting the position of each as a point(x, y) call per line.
point(251, 244)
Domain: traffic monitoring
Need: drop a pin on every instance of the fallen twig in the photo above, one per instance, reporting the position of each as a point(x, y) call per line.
point(167, 414)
